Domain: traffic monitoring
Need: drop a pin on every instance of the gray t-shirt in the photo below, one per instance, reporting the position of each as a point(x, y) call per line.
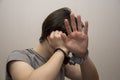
point(32, 58)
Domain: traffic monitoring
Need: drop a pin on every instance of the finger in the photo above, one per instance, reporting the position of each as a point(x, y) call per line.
point(79, 23)
point(73, 23)
point(67, 26)
point(86, 28)
point(64, 37)
point(58, 34)
point(52, 34)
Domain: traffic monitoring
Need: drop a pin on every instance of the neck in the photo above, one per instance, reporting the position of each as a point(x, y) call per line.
point(43, 50)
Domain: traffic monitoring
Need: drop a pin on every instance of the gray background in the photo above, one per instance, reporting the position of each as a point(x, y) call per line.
point(21, 20)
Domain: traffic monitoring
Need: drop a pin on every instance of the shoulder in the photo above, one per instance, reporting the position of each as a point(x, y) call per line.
point(20, 55)
point(16, 59)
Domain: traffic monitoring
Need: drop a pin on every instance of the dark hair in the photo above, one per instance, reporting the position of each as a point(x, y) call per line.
point(55, 21)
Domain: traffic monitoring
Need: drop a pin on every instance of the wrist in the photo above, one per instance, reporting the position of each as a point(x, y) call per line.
point(66, 57)
point(82, 53)
point(79, 60)
point(64, 49)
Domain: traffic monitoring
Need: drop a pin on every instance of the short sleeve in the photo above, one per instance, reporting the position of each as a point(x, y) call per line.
point(17, 55)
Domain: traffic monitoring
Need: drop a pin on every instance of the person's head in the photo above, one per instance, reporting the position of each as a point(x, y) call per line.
point(55, 21)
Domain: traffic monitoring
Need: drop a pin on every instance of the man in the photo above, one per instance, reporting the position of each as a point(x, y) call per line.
point(62, 33)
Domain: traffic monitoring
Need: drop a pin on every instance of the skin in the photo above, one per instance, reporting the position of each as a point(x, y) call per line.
point(76, 42)
point(50, 68)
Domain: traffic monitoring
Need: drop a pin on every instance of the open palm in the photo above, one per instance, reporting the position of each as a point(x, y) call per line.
point(77, 39)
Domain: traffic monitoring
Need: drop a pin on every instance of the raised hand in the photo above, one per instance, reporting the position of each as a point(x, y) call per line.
point(55, 41)
point(77, 39)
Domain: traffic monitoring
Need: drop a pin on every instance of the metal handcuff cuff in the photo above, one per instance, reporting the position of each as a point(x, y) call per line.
point(79, 60)
point(73, 59)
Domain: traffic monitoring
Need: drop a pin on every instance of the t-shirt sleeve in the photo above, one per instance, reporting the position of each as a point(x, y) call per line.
point(17, 55)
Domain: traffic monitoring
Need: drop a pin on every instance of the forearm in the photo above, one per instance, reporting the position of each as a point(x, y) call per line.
point(49, 70)
point(73, 72)
point(88, 70)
